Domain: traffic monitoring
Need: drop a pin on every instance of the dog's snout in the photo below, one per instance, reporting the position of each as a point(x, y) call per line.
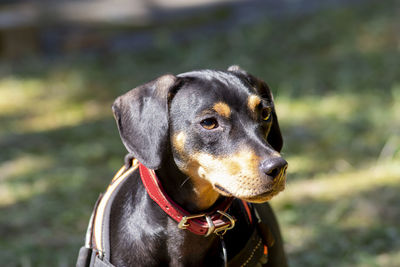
point(274, 167)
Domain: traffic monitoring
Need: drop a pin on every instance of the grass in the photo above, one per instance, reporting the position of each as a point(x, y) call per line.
point(336, 81)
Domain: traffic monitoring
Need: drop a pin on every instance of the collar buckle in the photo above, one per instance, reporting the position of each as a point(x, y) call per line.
point(183, 224)
point(218, 230)
point(222, 230)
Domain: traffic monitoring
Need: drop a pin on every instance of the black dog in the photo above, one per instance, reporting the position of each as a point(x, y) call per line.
point(210, 136)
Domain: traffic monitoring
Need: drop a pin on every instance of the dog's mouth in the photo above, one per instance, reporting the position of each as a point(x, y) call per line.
point(264, 196)
point(222, 190)
point(239, 175)
point(257, 197)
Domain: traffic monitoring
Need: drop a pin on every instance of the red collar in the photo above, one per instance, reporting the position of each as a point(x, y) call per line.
point(216, 221)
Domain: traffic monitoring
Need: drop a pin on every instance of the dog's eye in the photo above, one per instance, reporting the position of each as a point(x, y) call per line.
point(266, 113)
point(209, 123)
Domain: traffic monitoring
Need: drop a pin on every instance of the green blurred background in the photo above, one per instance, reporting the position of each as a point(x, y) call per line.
point(335, 73)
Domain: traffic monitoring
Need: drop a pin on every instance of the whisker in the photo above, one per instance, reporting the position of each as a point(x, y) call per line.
point(187, 179)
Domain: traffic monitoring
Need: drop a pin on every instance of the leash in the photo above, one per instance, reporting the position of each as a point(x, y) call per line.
point(96, 252)
point(224, 252)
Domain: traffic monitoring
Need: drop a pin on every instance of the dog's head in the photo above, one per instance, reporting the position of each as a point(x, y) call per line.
point(220, 127)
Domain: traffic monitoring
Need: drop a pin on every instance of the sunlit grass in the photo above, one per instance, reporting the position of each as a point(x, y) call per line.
point(17, 92)
point(327, 187)
point(339, 106)
point(339, 213)
point(344, 178)
point(12, 189)
point(45, 104)
point(336, 81)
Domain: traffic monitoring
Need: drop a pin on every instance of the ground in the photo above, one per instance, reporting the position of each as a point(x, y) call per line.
point(336, 82)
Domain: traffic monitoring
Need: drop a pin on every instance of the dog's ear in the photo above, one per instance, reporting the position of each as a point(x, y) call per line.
point(142, 119)
point(274, 137)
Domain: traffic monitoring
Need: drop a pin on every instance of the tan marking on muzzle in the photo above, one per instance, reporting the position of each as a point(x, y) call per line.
point(205, 194)
point(237, 174)
point(222, 109)
point(252, 102)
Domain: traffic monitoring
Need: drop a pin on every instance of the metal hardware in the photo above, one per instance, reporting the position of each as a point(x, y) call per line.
point(211, 226)
point(225, 228)
point(183, 223)
point(100, 254)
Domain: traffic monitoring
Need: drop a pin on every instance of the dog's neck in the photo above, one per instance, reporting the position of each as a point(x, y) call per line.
point(191, 194)
point(134, 236)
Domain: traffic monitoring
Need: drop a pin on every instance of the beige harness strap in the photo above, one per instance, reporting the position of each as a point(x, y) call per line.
point(103, 209)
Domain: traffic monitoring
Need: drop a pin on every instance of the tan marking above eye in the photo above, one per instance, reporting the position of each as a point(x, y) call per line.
point(252, 102)
point(222, 109)
point(276, 154)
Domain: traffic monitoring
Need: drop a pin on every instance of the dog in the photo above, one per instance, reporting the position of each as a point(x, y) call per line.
point(208, 137)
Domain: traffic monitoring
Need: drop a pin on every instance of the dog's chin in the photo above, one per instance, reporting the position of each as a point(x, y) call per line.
point(223, 191)
point(257, 198)
point(264, 197)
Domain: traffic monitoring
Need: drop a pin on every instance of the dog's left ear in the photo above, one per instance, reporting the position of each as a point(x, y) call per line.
point(142, 119)
point(274, 137)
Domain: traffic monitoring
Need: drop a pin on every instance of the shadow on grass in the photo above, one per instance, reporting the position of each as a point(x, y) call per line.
point(49, 207)
point(355, 231)
point(339, 52)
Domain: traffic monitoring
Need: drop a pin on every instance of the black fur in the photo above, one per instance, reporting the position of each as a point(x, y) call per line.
point(141, 233)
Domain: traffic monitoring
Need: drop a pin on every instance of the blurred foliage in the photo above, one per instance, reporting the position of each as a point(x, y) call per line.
point(336, 79)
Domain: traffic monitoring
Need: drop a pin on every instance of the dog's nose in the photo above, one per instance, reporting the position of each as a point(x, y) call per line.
point(274, 167)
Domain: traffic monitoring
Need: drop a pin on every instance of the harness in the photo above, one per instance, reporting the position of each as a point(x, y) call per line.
point(96, 251)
